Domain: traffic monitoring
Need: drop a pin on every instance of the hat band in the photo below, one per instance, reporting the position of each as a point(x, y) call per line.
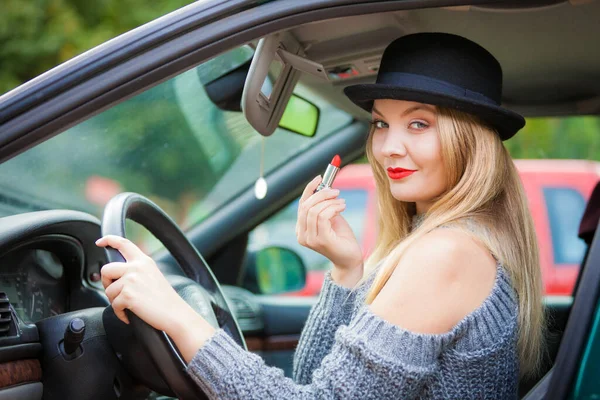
point(422, 82)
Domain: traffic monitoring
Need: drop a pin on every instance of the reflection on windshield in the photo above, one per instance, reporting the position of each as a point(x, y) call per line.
point(170, 144)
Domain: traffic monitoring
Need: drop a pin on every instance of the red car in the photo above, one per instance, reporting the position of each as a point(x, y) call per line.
point(557, 191)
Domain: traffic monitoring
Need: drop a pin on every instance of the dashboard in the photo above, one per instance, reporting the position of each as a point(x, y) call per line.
point(49, 269)
point(35, 283)
point(48, 260)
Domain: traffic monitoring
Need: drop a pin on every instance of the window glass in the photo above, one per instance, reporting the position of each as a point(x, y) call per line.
point(280, 230)
point(565, 209)
point(169, 143)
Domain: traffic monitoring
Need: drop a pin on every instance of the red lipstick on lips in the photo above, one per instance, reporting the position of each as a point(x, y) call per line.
point(399, 173)
point(330, 172)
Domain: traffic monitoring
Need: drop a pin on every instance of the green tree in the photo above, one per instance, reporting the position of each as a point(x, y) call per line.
point(560, 138)
point(36, 35)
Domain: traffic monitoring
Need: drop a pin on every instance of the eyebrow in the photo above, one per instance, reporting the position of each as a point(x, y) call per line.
point(410, 110)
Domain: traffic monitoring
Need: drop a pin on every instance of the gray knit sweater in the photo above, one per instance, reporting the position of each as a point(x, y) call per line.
point(346, 351)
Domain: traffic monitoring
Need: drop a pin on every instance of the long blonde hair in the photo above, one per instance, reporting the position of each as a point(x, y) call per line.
point(484, 186)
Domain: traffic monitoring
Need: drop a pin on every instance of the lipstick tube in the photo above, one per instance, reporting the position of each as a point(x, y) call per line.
point(328, 178)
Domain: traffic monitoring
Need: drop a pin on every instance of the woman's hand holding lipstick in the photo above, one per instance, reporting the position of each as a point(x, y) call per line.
point(320, 227)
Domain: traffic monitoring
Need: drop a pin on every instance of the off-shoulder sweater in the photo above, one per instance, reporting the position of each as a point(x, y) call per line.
point(347, 352)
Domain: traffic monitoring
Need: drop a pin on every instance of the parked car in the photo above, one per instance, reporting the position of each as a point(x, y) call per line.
point(557, 191)
point(148, 112)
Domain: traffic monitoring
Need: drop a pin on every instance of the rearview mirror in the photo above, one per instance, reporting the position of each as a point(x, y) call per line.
point(300, 116)
point(274, 270)
point(224, 77)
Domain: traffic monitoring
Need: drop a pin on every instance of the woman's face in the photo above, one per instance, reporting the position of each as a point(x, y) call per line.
point(406, 144)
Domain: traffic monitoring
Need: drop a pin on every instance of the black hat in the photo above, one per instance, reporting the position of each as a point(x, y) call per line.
point(441, 69)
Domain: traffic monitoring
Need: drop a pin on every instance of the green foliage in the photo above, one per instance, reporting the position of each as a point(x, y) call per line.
point(36, 35)
point(562, 138)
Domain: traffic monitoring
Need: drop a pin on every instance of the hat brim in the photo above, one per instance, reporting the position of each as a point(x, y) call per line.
point(506, 122)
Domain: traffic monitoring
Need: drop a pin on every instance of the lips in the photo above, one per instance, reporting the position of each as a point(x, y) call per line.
point(399, 173)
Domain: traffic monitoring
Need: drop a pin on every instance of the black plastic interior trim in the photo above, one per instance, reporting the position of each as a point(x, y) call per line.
point(85, 228)
point(283, 318)
point(577, 330)
point(20, 351)
point(164, 61)
point(518, 5)
point(26, 391)
point(541, 388)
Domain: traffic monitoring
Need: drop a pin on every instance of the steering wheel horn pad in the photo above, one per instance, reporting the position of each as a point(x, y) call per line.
point(201, 289)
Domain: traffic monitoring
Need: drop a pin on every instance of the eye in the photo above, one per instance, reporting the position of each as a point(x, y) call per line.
point(419, 125)
point(379, 124)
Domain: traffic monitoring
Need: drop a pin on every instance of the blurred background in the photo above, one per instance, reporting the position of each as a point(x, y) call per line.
point(36, 35)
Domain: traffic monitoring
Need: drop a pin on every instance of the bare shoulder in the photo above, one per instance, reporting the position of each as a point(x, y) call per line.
point(441, 278)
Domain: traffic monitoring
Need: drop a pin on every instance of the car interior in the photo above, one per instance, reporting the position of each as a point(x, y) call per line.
point(49, 265)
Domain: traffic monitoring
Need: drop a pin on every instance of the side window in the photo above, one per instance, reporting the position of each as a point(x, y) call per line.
point(565, 209)
point(171, 143)
point(280, 230)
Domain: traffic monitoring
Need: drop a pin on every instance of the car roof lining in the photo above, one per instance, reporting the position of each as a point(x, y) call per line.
point(547, 54)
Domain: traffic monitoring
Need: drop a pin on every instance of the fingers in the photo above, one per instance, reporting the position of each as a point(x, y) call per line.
point(318, 220)
point(332, 212)
point(318, 197)
point(114, 289)
point(308, 204)
point(127, 248)
point(113, 271)
point(119, 304)
point(310, 188)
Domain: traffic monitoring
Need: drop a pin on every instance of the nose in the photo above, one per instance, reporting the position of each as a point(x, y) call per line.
point(393, 145)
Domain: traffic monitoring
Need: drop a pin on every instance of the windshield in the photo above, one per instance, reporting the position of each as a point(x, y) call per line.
point(170, 144)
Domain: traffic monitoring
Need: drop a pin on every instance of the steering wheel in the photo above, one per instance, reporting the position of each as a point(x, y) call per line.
point(200, 290)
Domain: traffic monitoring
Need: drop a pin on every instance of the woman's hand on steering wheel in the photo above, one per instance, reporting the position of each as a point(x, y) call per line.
point(138, 285)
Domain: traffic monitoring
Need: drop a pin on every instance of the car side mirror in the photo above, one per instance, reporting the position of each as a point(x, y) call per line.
point(274, 270)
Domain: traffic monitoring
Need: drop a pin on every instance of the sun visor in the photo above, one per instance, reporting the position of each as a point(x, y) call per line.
point(276, 67)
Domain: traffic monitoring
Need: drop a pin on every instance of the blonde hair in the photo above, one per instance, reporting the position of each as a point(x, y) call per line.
point(484, 186)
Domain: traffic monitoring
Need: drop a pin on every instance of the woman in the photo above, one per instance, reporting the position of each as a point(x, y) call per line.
point(449, 303)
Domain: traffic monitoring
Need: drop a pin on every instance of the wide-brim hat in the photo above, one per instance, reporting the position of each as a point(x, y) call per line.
point(444, 70)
